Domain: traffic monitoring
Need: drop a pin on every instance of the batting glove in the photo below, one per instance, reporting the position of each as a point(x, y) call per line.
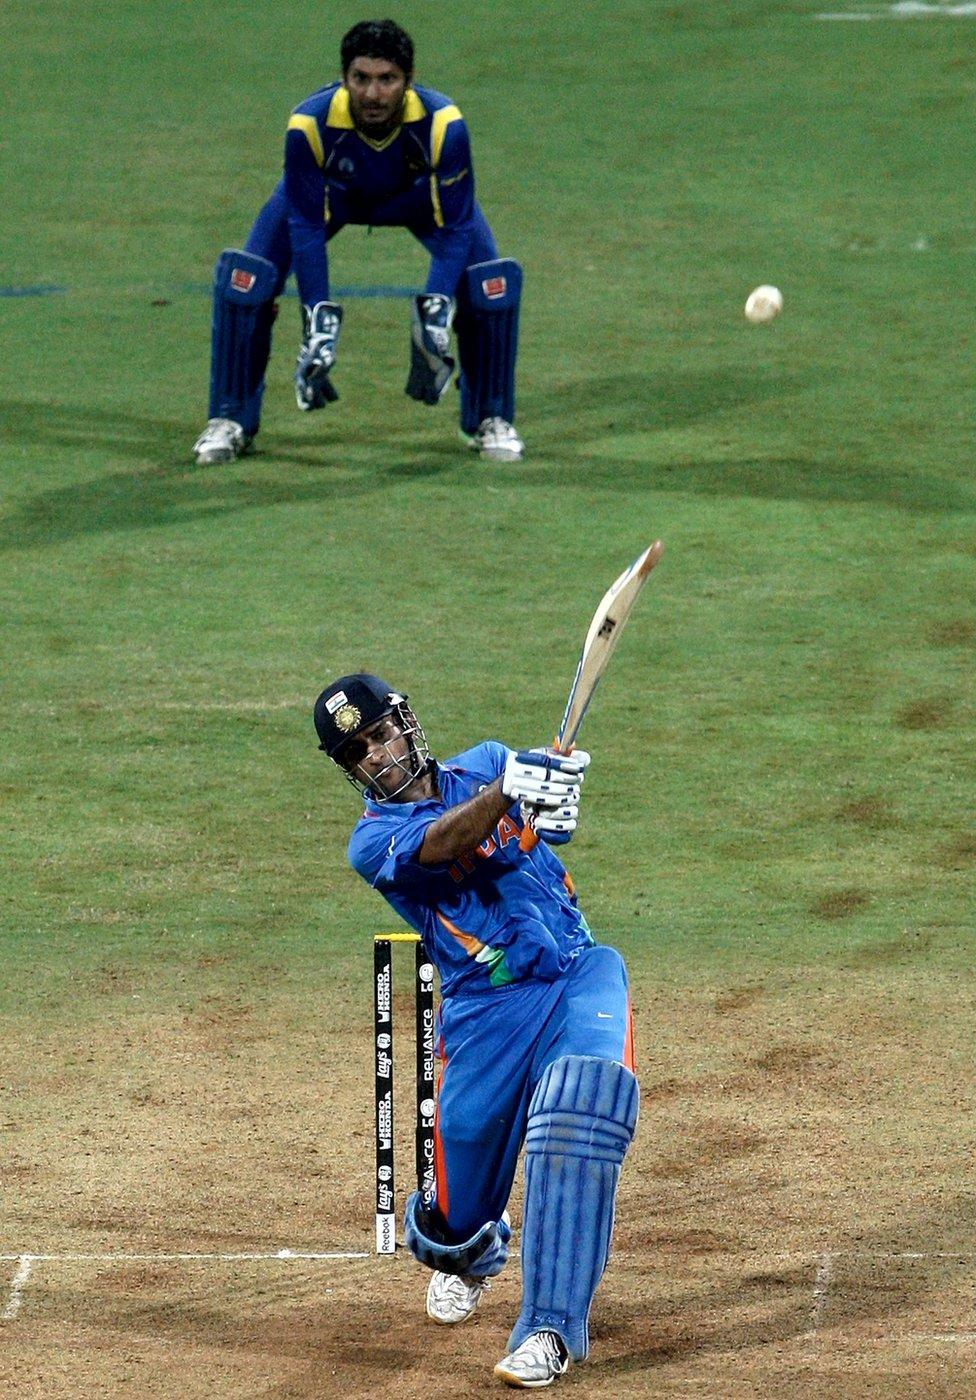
point(543, 779)
point(555, 828)
point(578, 757)
point(317, 355)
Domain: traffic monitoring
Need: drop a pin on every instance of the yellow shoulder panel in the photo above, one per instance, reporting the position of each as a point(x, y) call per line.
point(438, 127)
point(297, 122)
point(413, 109)
point(339, 114)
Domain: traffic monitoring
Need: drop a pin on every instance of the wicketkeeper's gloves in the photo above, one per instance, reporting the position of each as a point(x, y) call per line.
point(317, 355)
point(431, 366)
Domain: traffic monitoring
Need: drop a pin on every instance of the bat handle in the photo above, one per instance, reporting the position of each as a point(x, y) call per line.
point(528, 839)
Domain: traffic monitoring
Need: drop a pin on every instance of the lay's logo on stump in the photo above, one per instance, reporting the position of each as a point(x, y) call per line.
point(242, 281)
point(494, 287)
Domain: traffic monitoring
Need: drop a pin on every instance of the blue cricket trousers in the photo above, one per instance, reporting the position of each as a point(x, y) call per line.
point(494, 1045)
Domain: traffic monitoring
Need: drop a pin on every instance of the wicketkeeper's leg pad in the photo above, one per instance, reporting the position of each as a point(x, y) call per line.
point(581, 1121)
point(487, 337)
point(482, 1256)
point(243, 313)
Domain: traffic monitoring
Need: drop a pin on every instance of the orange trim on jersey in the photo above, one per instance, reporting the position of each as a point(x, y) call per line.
point(468, 942)
point(628, 1059)
point(568, 882)
point(440, 1163)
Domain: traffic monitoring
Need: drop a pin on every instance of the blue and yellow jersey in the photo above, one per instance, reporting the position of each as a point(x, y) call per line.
point(418, 177)
point(496, 916)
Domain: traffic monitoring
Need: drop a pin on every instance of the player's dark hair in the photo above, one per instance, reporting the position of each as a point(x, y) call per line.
point(378, 38)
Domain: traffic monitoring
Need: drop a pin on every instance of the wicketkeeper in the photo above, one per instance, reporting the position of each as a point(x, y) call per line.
point(373, 149)
point(534, 1029)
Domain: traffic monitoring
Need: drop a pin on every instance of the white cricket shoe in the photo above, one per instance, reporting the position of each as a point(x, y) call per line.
point(537, 1362)
point(222, 440)
point(497, 439)
point(452, 1298)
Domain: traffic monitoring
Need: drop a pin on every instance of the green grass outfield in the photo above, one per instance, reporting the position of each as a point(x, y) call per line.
point(783, 774)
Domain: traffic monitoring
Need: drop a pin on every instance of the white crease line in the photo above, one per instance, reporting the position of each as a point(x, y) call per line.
point(941, 1336)
point(821, 1285)
point(878, 1255)
point(236, 705)
point(800, 1254)
point(183, 706)
point(287, 1254)
point(905, 9)
point(17, 1286)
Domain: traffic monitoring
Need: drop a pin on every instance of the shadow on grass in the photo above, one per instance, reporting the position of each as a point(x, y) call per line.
point(166, 488)
point(607, 427)
point(601, 433)
point(572, 411)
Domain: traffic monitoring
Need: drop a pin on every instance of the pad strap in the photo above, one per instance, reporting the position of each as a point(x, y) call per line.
point(482, 1256)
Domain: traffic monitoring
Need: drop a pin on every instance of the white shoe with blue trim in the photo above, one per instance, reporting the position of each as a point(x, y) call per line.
point(452, 1298)
point(537, 1362)
point(497, 440)
point(222, 440)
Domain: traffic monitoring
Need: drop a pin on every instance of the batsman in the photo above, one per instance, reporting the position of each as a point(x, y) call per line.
point(534, 1027)
point(379, 150)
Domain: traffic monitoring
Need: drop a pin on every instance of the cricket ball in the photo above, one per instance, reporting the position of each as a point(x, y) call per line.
point(763, 304)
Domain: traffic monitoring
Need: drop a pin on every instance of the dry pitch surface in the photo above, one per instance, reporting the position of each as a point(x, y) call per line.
point(796, 1217)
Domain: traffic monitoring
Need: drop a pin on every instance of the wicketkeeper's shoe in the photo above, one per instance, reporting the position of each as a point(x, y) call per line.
point(452, 1298)
point(537, 1362)
point(496, 439)
point(222, 440)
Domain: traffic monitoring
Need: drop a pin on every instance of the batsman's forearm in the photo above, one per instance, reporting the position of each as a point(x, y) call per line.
point(464, 827)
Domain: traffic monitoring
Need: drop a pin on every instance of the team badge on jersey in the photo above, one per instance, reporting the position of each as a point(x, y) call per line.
point(242, 281)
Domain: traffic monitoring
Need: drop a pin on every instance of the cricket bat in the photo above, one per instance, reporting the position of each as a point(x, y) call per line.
point(608, 623)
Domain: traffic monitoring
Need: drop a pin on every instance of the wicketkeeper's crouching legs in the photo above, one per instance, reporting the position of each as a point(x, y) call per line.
point(487, 326)
point(244, 310)
point(485, 318)
point(581, 1122)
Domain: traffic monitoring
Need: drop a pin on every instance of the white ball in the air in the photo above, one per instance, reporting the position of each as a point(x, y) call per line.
point(763, 304)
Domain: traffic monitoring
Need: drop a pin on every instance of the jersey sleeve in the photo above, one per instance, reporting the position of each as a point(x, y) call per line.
point(305, 193)
point(385, 850)
point(452, 177)
point(452, 197)
point(494, 755)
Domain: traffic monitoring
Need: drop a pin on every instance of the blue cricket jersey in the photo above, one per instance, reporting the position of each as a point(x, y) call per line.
point(418, 177)
point(496, 916)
